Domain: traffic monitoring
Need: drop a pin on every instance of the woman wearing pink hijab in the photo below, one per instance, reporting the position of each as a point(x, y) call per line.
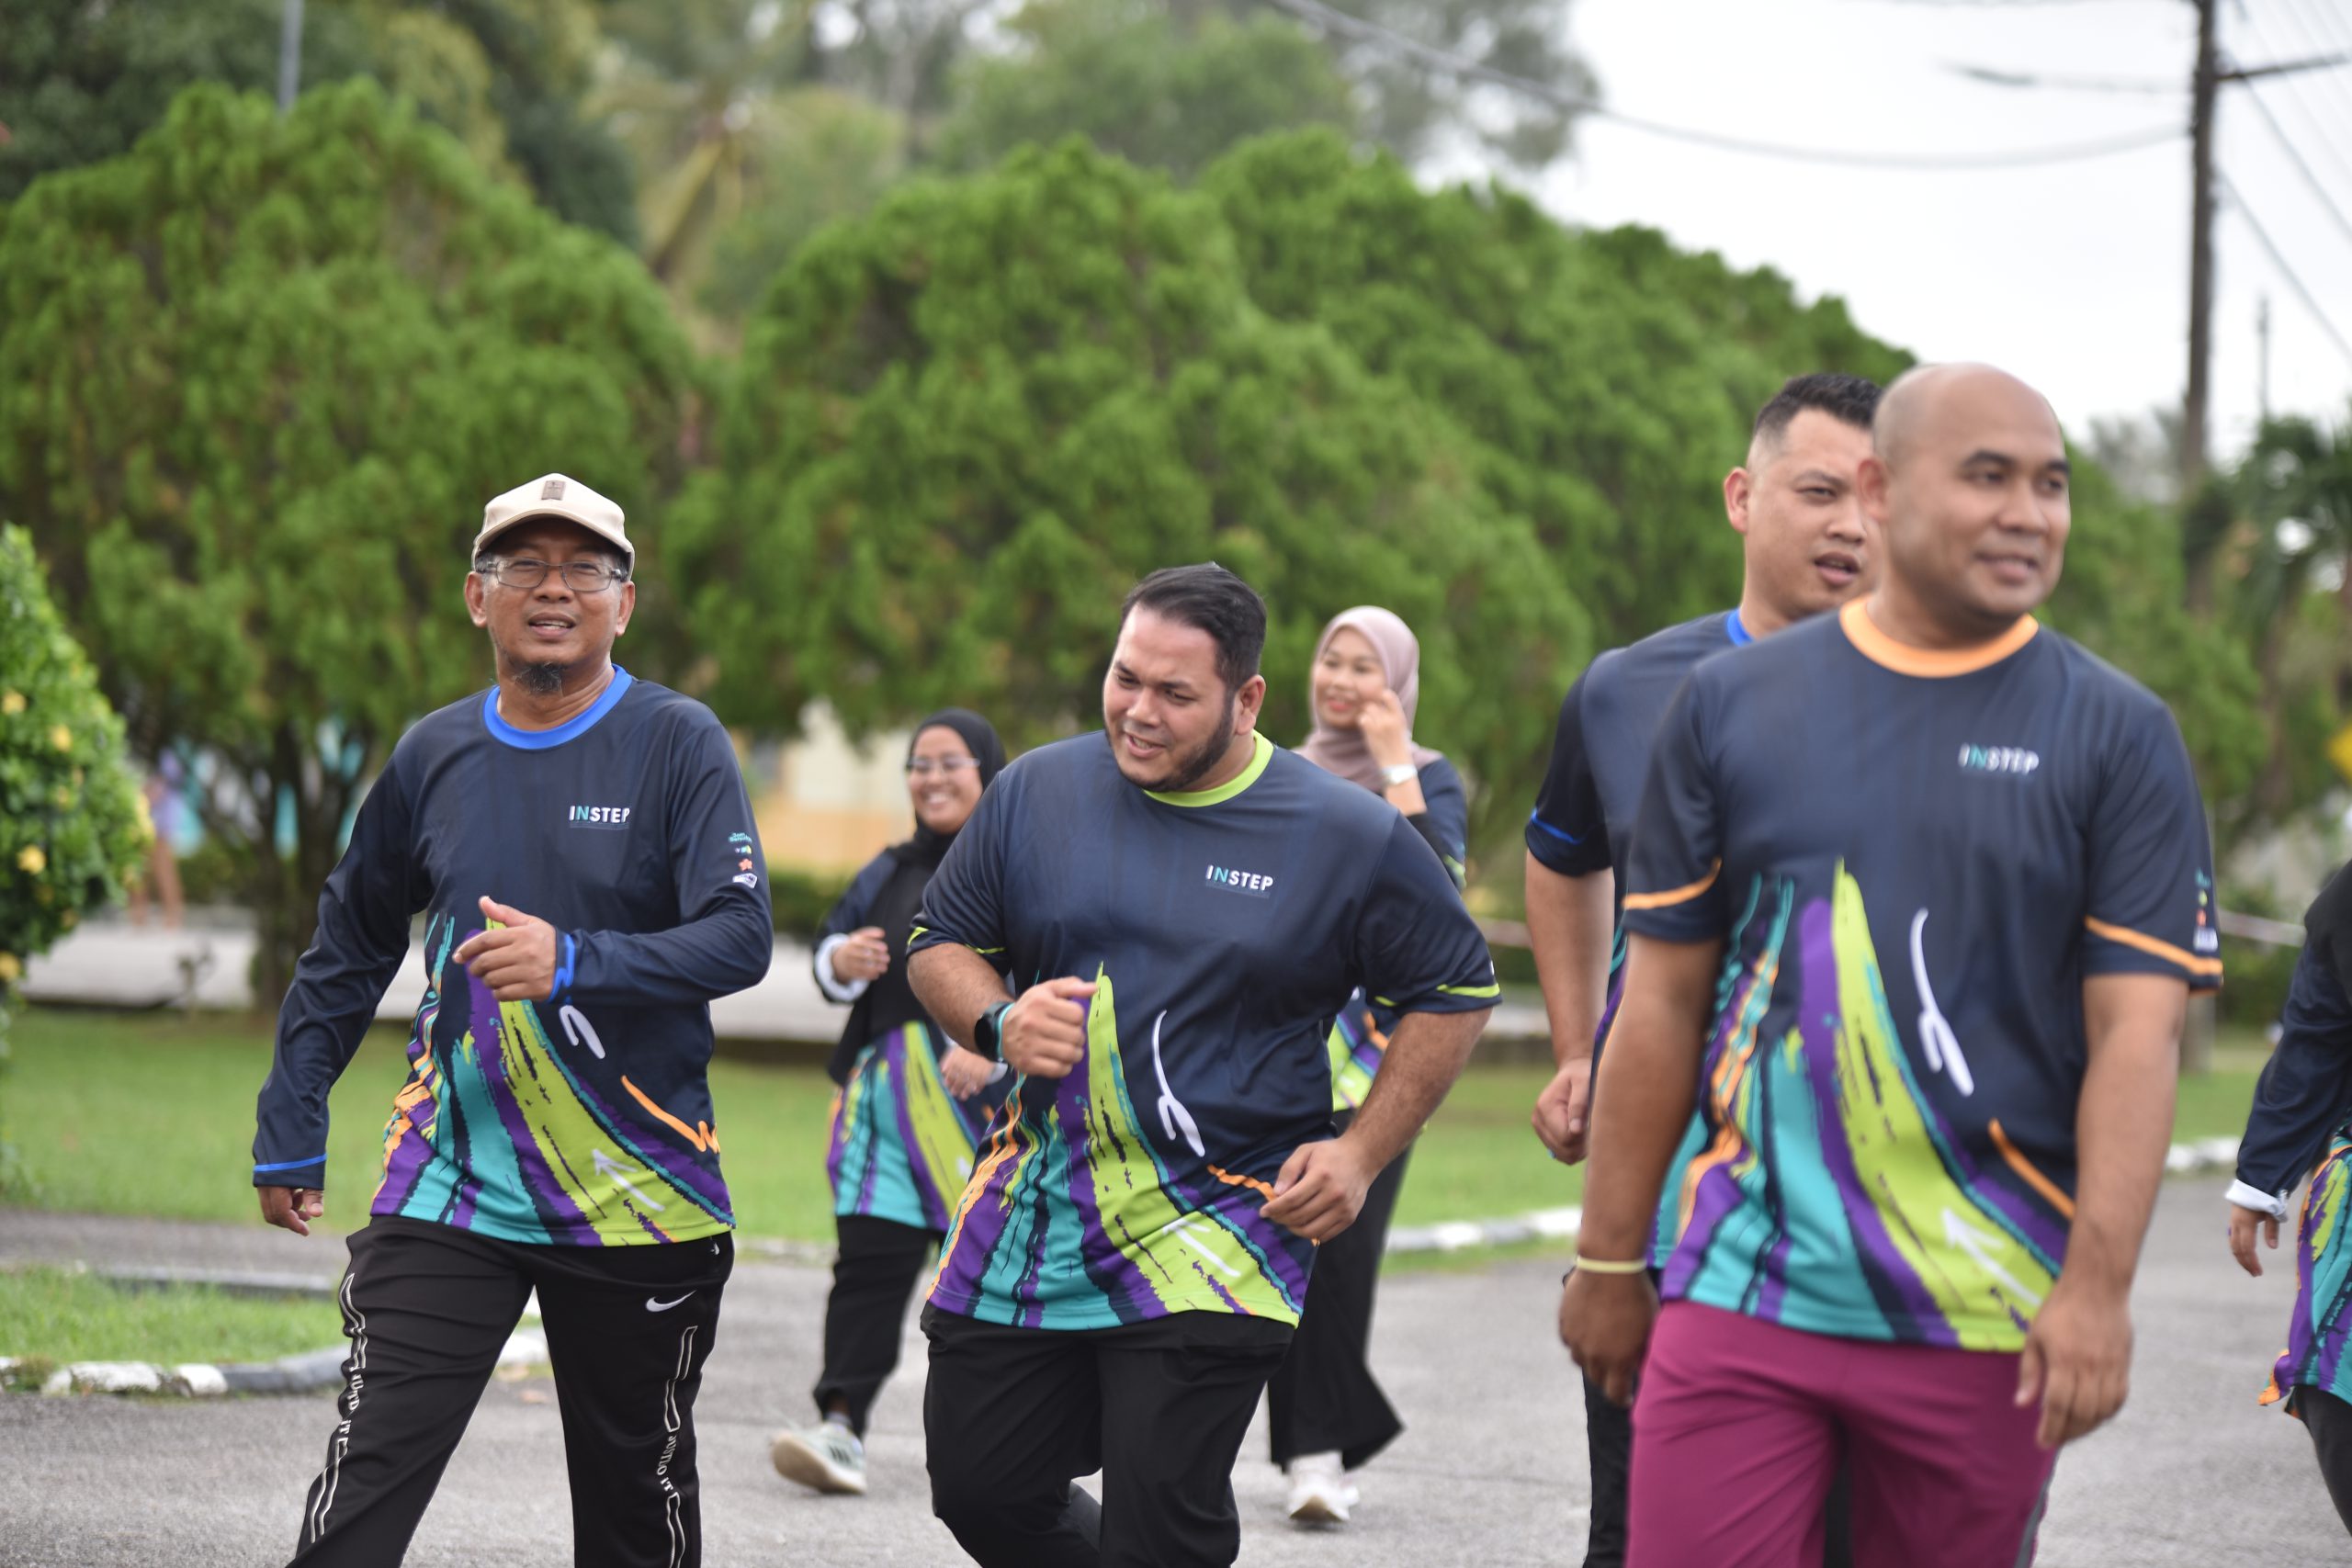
point(1327, 1416)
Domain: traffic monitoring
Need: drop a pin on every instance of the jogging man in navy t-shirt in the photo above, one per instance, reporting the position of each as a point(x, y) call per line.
point(1183, 907)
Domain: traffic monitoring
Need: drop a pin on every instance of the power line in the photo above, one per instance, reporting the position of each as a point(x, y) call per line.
point(2332, 93)
point(2296, 158)
point(2293, 87)
point(1365, 31)
point(2278, 260)
point(2000, 78)
point(2331, 31)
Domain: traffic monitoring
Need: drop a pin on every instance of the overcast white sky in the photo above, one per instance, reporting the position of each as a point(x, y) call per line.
point(2073, 275)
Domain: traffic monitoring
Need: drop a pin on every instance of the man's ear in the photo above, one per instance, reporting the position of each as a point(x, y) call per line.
point(1871, 484)
point(1739, 485)
point(628, 608)
point(476, 596)
point(1245, 704)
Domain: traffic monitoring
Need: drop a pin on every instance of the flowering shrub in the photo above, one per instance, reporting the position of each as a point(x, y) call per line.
point(73, 824)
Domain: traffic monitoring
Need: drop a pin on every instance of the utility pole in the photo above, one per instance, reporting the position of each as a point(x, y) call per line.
point(2211, 73)
point(289, 55)
point(2204, 87)
point(2262, 358)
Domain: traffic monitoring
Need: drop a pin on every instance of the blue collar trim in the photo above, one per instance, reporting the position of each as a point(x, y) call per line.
point(1736, 629)
point(571, 729)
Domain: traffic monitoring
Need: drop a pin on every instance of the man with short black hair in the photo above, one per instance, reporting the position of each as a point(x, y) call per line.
point(1806, 547)
point(1187, 906)
point(582, 850)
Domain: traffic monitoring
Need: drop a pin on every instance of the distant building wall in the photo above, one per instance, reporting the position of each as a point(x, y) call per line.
point(824, 803)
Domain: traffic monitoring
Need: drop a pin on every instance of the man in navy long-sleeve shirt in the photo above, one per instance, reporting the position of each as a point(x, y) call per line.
point(582, 847)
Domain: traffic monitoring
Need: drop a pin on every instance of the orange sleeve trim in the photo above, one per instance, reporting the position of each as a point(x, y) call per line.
point(1667, 899)
point(2033, 1179)
point(2208, 968)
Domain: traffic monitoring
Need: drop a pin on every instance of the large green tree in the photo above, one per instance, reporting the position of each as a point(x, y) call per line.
point(1417, 99)
point(1608, 380)
point(1173, 85)
point(256, 379)
point(965, 426)
point(2285, 590)
point(81, 80)
point(1137, 78)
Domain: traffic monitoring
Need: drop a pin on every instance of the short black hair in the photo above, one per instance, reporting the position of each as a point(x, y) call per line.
point(1210, 599)
point(1852, 399)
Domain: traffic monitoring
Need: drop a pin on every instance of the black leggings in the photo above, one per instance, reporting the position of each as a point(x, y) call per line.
point(878, 1266)
point(2329, 1421)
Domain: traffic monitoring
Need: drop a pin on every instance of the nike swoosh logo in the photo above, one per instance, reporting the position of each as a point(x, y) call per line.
point(653, 1305)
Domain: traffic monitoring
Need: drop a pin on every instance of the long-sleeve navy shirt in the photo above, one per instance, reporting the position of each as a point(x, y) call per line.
point(584, 1119)
point(2305, 1092)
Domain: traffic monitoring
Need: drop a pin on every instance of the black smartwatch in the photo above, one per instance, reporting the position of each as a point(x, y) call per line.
point(987, 1031)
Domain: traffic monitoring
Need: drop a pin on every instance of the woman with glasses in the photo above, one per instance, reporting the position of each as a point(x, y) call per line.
point(1326, 1415)
point(910, 1110)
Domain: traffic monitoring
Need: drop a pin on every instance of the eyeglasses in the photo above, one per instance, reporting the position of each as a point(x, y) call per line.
point(580, 576)
point(923, 767)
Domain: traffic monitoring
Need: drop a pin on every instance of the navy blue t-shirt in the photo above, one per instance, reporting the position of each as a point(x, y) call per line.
point(1583, 820)
point(1224, 929)
point(584, 1119)
point(1915, 860)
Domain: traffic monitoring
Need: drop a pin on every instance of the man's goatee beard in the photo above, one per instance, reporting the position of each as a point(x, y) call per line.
point(541, 680)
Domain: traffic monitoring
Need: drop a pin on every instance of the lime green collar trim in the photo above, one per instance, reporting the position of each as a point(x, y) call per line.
point(1230, 787)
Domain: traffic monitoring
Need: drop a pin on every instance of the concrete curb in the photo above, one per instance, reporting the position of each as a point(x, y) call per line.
point(1561, 1224)
point(310, 1372)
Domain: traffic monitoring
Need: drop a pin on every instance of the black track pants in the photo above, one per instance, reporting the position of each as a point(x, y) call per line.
point(876, 1272)
point(1324, 1398)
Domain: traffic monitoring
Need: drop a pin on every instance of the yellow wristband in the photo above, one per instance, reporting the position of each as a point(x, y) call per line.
point(1603, 1266)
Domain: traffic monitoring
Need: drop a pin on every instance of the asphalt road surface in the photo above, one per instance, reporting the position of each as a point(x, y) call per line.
point(1491, 1471)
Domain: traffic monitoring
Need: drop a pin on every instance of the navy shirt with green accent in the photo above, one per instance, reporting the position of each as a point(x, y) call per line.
point(585, 1119)
point(1915, 860)
point(1223, 929)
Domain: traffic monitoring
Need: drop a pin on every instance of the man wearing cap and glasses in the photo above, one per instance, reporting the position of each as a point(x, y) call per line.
point(582, 847)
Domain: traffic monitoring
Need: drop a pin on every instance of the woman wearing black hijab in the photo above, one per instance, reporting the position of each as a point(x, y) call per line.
point(912, 1106)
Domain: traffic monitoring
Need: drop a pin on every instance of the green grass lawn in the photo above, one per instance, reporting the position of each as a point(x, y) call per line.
point(59, 1316)
point(149, 1113)
point(153, 1114)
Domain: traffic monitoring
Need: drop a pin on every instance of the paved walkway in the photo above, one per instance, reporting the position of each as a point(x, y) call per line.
point(1491, 1472)
point(114, 964)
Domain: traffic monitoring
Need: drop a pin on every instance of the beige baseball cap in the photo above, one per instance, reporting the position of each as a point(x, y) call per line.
point(556, 495)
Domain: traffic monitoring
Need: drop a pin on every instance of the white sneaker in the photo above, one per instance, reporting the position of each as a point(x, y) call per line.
point(827, 1458)
point(1320, 1492)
